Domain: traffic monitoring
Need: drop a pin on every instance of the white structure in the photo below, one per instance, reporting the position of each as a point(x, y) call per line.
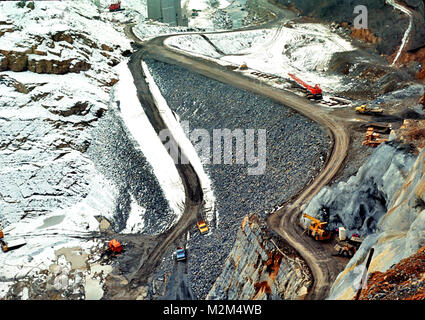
point(167, 11)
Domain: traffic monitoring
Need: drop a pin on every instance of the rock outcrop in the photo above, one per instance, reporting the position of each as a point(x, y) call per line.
point(404, 281)
point(359, 203)
point(258, 269)
point(384, 202)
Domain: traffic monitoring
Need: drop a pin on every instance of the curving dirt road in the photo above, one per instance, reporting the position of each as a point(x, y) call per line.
point(285, 221)
point(191, 183)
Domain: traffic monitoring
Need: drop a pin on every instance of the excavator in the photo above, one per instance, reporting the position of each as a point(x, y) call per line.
point(312, 92)
point(316, 229)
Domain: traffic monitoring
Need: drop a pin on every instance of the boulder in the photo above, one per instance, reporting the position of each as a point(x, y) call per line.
point(16, 60)
point(56, 66)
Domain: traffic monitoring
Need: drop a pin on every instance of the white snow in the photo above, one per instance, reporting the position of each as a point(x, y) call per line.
point(193, 43)
point(304, 49)
point(67, 225)
point(148, 141)
point(135, 221)
point(184, 142)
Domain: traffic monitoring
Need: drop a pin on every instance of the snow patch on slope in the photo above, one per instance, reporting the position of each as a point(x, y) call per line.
point(148, 141)
point(184, 142)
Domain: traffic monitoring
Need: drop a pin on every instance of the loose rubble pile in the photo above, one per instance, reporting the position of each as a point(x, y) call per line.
point(116, 156)
point(221, 20)
point(404, 281)
point(296, 149)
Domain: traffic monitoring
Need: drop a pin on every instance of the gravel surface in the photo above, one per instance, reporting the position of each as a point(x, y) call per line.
point(296, 149)
point(116, 157)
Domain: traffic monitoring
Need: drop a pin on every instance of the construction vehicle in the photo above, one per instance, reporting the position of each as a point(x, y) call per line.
point(316, 229)
point(115, 246)
point(180, 254)
point(243, 66)
point(202, 226)
point(113, 249)
point(115, 7)
point(347, 247)
point(372, 138)
point(7, 246)
point(364, 109)
point(312, 92)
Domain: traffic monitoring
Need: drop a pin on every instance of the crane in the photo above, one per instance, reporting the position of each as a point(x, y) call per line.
point(316, 228)
point(313, 92)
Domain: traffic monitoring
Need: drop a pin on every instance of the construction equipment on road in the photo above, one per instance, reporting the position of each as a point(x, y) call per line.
point(115, 7)
point(347, 247)
point(364, 109)
point(312, 92)
point(202, 226)
point(180, 254)
point(372, 139)
point(243, 66)
point(316, 229)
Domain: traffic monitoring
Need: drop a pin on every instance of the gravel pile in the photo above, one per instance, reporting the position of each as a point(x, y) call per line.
point(115, 156)
point(296, 149)
point(222, 20)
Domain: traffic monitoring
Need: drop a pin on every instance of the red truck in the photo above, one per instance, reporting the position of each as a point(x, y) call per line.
point(115, 6)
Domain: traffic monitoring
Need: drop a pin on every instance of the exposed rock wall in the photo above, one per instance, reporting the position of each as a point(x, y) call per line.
point(359, 203)
point(385, 203)
point(257, 269)
point(404, 281)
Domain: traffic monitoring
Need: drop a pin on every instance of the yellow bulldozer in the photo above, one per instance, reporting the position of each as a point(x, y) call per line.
point(316, 229)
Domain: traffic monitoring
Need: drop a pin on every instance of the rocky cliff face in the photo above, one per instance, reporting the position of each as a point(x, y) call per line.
point(257, 268)
point(359, 203)
point(404, 281)
point(383, 20)
point(384, 202)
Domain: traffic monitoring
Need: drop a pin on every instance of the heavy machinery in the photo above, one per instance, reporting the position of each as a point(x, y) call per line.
point(364, 109)
point(347, 247)
point(11, 245)
point(202, 226)
point(113, 249)
point(243, 66)
point(115, 7)
point(372, 138)
point(316, 229)
point(115, 246)
point(312, 92)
